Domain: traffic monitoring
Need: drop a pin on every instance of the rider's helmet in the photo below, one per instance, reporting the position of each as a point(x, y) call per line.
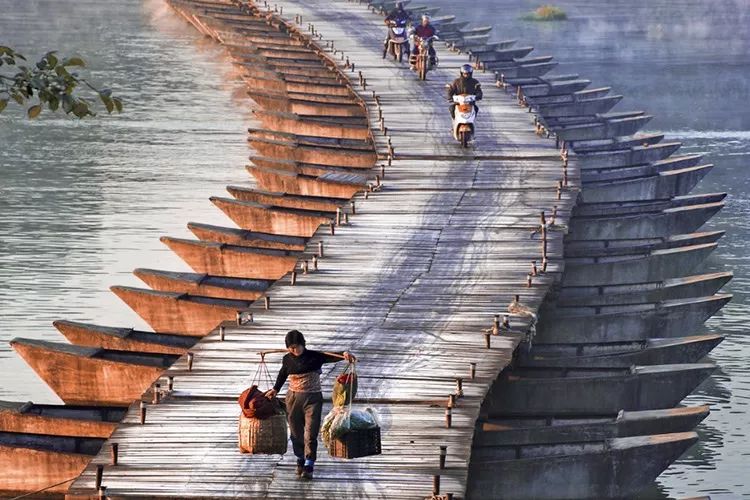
point(466, 70)
point(425, 19)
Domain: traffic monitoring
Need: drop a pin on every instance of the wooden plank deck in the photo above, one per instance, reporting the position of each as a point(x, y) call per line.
point(408, 285)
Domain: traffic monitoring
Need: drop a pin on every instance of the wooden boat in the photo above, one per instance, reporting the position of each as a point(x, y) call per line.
point(631, 171)
point(586, 249)
point(635, 155)
point(33, 462)
point(279, 84)
point(318, 126)
point(479, 30)
point(337, 157)
point(657, 265)
point(320, 74)
point(92, 376)
point(124, 339)
point(557, 122)
point(663, 185)
point(276, 51)
point(220, 287)
point(360, 145)
point(316, 203)
point(597, 391)
point(521, 70)
point(700, 285)
point(468, 42)
point(606, 128)
point(608, 209)
point(656, 351)
point(503, 55)
point(222, 259)
point(548, 79)
point(59, 420)
point(243, 237)
point(268, 99)
point(306, 106)
point(612, 468)
point(503, 44)
point(332, 185)
point(180, 313)
point(303, 168)
point(273, 219)
point(524, 430)
point(614, 143)
point(667, 319)
point(546, 88)
point(648, 224)
point(582, 95)
point(592, 106)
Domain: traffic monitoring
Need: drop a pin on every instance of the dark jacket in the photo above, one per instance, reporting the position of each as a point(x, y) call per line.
point(308, 361)
point(463, 85)
point(400, 16)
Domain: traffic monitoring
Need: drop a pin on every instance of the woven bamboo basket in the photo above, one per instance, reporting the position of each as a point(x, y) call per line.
point(356, 443)
point(263, 437)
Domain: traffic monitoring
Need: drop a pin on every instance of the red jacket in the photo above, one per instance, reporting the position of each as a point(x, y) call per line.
point(425, 31)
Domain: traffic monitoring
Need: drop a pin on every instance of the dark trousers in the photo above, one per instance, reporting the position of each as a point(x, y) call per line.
point(304, 410)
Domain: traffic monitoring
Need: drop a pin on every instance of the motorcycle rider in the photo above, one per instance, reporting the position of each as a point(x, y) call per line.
point(425, 30)
point(464, 84)
point(400, 16)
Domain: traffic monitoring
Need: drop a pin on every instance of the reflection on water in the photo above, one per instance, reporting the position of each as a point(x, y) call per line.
point(83, 203)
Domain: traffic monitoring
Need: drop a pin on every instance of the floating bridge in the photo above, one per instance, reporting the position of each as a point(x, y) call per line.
point(374, 231)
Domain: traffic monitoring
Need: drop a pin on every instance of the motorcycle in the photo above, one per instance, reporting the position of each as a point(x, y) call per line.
point(422, 59)
point(397, 40)
point(463, 118)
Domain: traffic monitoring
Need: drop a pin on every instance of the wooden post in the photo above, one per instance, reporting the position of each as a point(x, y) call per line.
point(332, 228)
point(155, 394)
point(266, 302)
point(488, 340)
point(190, 357)
point(346, 218)
point(354, 207)
point(554, 214)
point(113, 449)
point(534, 270)
point(506, 321)
point(98, 479)
point(472, 370)
point(559, 189)
point(459, 387)
point(443, 454)
point(496, 325)
point(305, 267)
point(170, 383)
point(320, 249)
point(102, 492)
point(315, 262)
point(293, 279)
point(222, 331)
point(528, 280)
point(382, 171)
point(436, 485)
point(448, 418)
point(143, 412)
point(338, 216)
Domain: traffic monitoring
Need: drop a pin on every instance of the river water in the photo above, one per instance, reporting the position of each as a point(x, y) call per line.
point(82, 203)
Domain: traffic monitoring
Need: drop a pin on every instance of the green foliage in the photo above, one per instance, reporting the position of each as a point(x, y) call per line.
point(51, 81)
point(546, 13)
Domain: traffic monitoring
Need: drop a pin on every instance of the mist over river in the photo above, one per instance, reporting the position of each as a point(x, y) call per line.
point(83, 203)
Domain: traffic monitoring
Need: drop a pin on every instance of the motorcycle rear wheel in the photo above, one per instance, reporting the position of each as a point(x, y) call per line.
point(464, 136)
